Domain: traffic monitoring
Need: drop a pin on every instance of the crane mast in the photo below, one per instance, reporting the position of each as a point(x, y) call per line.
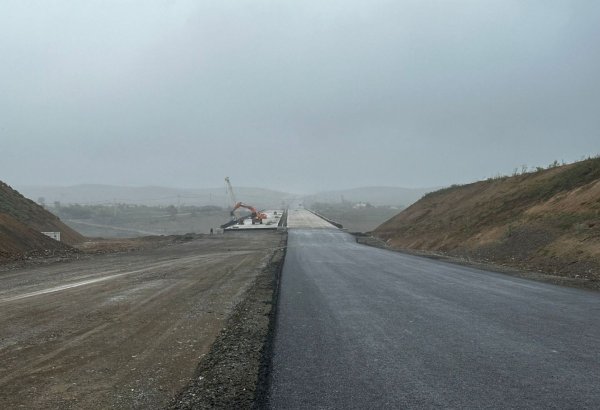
point(229, 189)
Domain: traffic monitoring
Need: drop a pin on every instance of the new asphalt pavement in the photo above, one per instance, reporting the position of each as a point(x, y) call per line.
point(366, 328)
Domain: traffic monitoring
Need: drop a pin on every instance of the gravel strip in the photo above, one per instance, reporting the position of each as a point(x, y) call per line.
point(234, 374)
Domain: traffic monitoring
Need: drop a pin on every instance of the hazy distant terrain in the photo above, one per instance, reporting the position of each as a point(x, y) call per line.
point(126, 221)
point(365, 208)
point(94, 194)
point(117, 211)
point(376, 195)
point(356, 217)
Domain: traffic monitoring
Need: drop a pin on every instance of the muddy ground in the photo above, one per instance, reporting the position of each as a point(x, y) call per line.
point(131, 329)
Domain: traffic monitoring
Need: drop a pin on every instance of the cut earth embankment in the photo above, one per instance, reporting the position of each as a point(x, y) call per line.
point(545, 221)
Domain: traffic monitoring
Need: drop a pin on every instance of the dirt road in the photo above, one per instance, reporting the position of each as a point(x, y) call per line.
point(120, 330)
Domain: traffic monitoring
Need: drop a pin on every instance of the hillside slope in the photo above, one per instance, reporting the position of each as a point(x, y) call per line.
point(21, 224)
point(17, 239)
point(547, 220)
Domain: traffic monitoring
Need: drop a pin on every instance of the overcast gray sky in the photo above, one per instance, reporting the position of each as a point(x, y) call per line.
point(294, 95)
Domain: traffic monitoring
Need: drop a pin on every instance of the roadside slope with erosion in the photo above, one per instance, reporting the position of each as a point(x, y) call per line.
point(21, 224)
point(546, 221)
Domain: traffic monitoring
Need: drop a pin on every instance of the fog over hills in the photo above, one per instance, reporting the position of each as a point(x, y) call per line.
point(375, 195)
point(150, 195)
point(156, 195)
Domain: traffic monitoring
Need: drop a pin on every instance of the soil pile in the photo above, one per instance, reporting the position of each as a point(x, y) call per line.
point(546, 221)
point(21, 224)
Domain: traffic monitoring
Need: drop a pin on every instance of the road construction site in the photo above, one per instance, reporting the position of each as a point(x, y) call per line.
point(126, 329)
point(190, 322)
point(273, 219)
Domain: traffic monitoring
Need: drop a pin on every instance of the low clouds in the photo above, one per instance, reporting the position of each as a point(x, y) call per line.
point(332, 94)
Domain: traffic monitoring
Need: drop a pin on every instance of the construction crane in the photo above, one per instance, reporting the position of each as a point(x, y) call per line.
point(229, 189)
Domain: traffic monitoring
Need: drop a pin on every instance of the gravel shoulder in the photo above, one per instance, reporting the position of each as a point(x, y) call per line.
point(126, 329)
point(234, 374)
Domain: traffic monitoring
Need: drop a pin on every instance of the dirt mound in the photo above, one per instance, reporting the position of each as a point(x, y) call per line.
point(547, 220)
point(21, 224)
point(17, 238)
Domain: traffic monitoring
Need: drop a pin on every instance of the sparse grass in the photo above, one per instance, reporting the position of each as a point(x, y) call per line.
point(441, 191)
point(573, 176)
point(580, 173)
point(524, 220)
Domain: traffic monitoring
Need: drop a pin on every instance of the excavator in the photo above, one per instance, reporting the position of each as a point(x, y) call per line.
point(257, 216)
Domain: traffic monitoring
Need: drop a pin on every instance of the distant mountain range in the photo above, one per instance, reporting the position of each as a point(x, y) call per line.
point(264, 198)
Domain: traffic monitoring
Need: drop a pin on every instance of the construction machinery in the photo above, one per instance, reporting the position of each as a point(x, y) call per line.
point(257, 216)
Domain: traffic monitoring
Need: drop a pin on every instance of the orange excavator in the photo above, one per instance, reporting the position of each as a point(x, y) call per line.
point(257, 216)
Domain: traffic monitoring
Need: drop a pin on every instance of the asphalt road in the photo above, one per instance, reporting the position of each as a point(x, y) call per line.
point(360, 327)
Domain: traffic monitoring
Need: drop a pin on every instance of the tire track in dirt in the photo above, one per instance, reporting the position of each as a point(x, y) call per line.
point(131, 340)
